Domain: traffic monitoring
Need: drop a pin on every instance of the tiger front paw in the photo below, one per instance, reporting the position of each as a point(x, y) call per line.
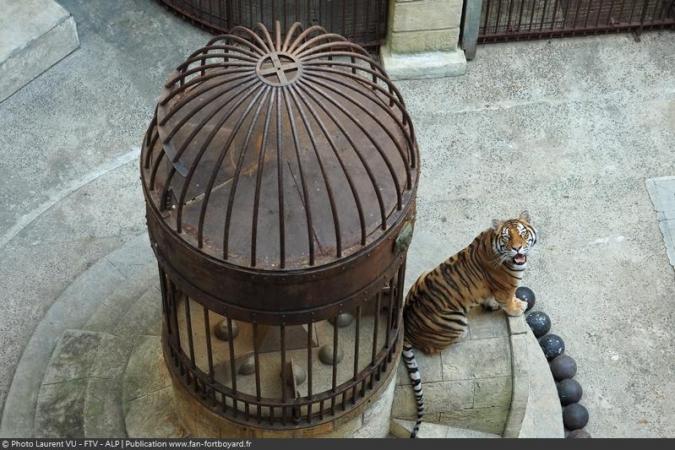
point(491, 305)
point(517, 308)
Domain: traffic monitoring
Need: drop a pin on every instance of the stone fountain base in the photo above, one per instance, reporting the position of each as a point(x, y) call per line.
point(94, 368)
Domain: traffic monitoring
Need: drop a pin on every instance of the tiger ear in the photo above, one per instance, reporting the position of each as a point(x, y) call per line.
point(525, 217)
point(496, 224)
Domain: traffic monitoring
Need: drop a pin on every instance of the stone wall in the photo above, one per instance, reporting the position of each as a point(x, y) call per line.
point(468, 385)
point(423, 25)
point(422, 37)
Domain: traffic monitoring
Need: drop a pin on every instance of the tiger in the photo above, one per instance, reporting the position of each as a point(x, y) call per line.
point(486, 273)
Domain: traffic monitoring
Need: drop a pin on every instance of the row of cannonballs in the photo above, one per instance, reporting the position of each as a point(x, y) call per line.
point(563, 368)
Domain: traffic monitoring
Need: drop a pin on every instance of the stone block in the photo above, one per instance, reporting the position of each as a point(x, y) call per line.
point(58, 413)
point(483, 324)
point(146, 371)
point(72, 357)
point(517, 325)
point(473, 359)
point(153, 416)
point(412, 66)
point(439, 397)
point(103, 414)
point(430, 368)
point(492, 392)
point(111, 357)
point(521, 383)
point(34, 35)
point(423, 41)
point(488, 420)
point(426, 15)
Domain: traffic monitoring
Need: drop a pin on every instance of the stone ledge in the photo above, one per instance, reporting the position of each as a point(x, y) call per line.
point(402, 66)
point(34, 35)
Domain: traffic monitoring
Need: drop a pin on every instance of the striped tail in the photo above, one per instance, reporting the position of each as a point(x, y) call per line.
point(416, 380)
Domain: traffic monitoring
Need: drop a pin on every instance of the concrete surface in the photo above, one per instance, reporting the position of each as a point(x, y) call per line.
point(570, 129)
point(66, 139)
point(34, 35)
point(662, 192)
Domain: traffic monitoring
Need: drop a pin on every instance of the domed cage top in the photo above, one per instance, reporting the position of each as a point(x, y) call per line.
point(280, 172)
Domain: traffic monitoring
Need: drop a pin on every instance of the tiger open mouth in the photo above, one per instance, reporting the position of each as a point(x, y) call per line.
point(520, 259)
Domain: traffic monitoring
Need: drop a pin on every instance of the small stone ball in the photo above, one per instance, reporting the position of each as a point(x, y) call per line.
point(569, 391)
point(575, 416)
point(527, 295)
point(247, 367)
point(343, 320)
point(222, 332)
point(552, 345)
point(300, 374)
point(578, 434)
point(539, 322)
point(326, 355)
point(563, 367)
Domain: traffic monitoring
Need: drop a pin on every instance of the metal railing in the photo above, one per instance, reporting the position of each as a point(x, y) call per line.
point(503, 20)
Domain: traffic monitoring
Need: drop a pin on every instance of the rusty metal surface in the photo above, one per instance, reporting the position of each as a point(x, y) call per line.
point(279, 173)
point(361, 21)
point(503, 20)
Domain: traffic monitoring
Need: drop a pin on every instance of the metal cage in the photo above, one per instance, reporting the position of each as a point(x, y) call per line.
point(279, 173)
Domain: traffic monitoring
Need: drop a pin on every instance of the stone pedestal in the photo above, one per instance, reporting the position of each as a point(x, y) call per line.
point(422, 39)
point(369, 420)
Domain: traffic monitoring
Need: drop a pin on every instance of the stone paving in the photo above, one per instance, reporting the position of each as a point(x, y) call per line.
point(570, 129)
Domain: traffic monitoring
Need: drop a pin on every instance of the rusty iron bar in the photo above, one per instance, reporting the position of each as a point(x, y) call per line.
point(537, 19)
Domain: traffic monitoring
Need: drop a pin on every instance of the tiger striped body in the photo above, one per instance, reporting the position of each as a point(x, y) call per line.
point(487, 272)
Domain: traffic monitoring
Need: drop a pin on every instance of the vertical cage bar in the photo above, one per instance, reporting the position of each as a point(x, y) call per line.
point(309, 371)
point(188, 323)
point(209, 348)
point(233, 368)
point(284, 396)
point(165, 301)
point(356, 350)
point(335, 353)
point(390, 311)
point(378, 305)
point(256, 361)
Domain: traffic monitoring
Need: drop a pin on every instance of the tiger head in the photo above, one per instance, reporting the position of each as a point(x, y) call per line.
point(514, 239)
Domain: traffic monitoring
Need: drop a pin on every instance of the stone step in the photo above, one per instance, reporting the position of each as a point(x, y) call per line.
point(74, 309)
point(147, 393)
point(142, 317)
point(103, 415)
point(543, 413)
point(400, 428)
point(59, 411)
point(34, 35)
point(112, 310)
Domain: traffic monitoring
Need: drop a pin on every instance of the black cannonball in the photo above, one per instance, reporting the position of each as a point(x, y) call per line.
point(539, 322)
point(569, 391)
point(552, 346)
point(578, 434)
point(563, 367)
point(575, 416)
point(525, 294)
